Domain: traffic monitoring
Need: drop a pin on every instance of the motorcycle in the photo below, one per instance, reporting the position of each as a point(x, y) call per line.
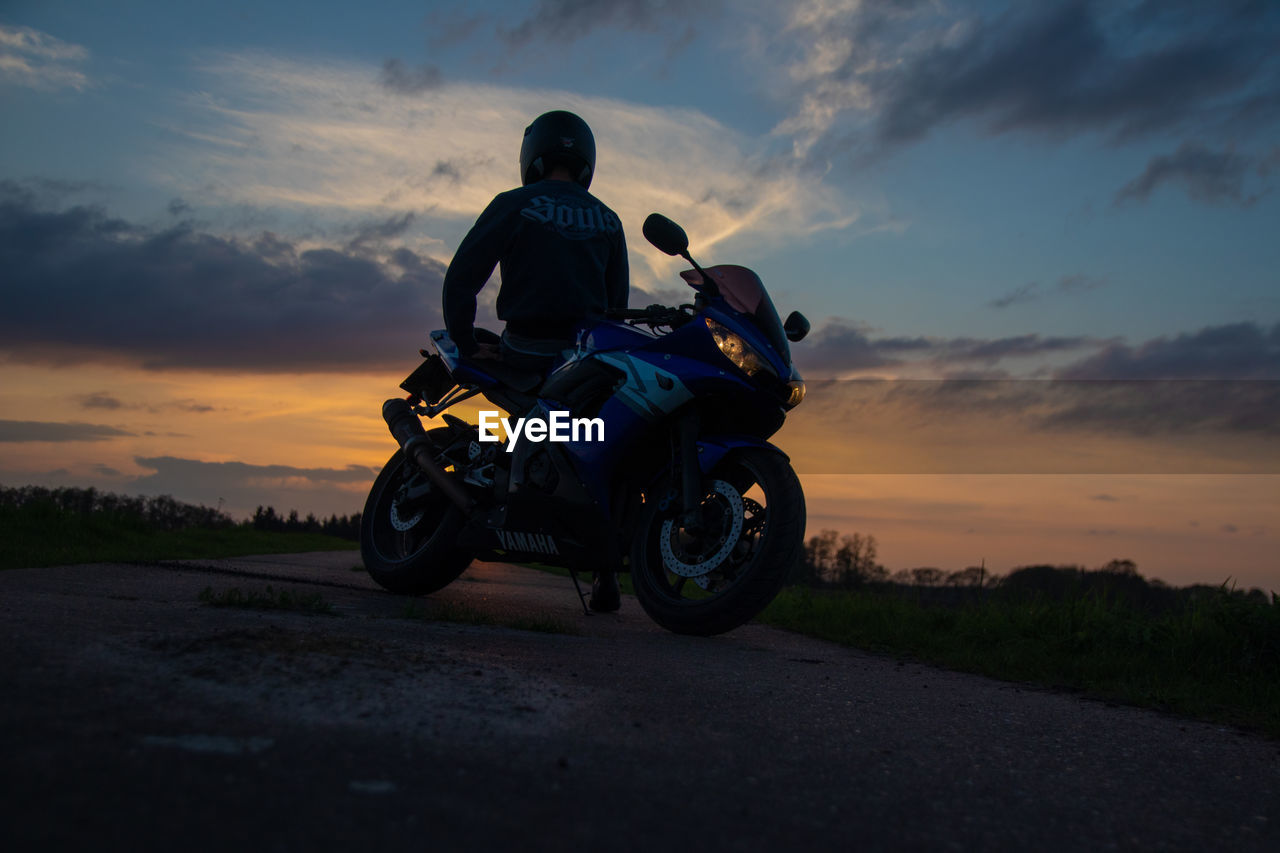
point(672, 477)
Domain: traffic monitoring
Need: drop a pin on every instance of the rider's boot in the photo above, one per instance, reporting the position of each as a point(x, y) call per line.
point(605, 595)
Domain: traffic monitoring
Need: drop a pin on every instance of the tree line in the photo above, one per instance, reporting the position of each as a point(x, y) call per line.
point(342, 526)
point(164, 512)
point(161, 512)
point(835, 561)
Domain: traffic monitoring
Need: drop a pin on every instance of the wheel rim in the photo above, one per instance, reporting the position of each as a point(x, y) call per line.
point(400, 527)
point(735, 516)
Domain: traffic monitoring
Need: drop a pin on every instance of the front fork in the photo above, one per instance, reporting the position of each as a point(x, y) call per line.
point(691, 493)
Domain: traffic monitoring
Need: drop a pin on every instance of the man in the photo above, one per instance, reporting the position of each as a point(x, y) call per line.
point(563, 260)
point(561, 252)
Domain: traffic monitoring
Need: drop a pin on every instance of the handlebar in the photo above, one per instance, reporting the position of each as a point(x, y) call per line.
point(653, 316)
point(630, 313)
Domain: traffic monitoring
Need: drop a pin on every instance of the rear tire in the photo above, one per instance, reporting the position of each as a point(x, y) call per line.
point(716, 580)
point(408, 532)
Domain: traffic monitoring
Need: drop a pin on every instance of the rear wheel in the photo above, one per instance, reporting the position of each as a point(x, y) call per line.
point(719, 574)
point(408, 533)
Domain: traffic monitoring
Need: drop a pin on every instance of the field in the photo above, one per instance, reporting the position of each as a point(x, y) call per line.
point(1210, 653)
point(1206, 652)
point(57, 527)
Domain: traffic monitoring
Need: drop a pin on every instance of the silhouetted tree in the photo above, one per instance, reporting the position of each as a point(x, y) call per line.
point(927, 576)
point(848, 560)
point(855, 561)
point(970, 576)
point(1120, 567)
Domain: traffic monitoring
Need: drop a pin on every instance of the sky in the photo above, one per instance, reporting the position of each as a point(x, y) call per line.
point(1036, 243)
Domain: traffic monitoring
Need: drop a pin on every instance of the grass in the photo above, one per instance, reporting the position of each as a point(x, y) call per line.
point(44, 535)
point(1214, 656)
point(466, 615)
point(269, 599)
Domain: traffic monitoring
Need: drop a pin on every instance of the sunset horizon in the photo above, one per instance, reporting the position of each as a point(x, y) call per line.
point(1046, 320)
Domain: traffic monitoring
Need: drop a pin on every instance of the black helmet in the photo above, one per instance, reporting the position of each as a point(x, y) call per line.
point(558, 138)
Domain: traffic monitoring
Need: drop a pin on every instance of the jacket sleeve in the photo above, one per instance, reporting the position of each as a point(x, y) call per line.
point(617, 276)
point(469, 270)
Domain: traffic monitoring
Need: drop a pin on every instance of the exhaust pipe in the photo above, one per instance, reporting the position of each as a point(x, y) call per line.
point(408, 432)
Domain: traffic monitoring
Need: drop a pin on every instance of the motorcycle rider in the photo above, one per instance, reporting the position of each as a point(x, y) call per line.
point(562, 257)
point(561, 252)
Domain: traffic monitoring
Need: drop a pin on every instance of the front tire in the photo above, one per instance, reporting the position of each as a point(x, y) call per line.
point(408, 532)
point(716, 578)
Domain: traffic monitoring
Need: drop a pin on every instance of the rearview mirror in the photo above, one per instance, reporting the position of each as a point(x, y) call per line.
point(796, 326)
point(665, 234)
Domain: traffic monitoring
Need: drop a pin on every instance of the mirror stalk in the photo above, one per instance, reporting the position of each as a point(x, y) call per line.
point(705, 278)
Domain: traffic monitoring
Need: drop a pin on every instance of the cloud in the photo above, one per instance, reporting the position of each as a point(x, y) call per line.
point(242, 485)
point(567, 21)
point(28, 431)
point(838, 348)
point(1153, 408)
point(1078, 283)
point(101, 400)
point(80, 285)
point(36, 60)
point(105, 400)
point(242, 472)
point(1210, 177)
point(328, 139)
point(881, 75)
point(1024, 293)
point(1232, 351)
point(185, 406)
point(1015, 346)
point(1035, 427)
point(371, 235)
point(1131, 408)
point(396, 77)
point(1033, 292)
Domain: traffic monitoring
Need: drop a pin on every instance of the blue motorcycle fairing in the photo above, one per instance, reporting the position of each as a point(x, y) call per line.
point(662, 373)
point(610, 335)
point(659, 378)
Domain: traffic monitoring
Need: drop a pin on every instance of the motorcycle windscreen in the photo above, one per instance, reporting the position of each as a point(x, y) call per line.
point(743, 290)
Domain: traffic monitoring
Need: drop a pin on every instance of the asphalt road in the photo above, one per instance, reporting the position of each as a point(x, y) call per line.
point(134, 717)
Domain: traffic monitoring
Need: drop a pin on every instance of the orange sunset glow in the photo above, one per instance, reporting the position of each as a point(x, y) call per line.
point(934, 493)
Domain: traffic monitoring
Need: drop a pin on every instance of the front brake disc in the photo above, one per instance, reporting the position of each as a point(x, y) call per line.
point(687, 566)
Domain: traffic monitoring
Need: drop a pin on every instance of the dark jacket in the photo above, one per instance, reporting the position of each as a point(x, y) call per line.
point(562, 256)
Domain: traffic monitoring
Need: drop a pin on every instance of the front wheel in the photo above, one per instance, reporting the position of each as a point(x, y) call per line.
point(408, 533)
point(726, 569)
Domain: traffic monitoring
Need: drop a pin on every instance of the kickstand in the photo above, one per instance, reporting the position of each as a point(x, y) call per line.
point(582, 596)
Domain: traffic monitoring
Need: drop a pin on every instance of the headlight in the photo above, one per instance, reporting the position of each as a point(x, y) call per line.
point(737, 350)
